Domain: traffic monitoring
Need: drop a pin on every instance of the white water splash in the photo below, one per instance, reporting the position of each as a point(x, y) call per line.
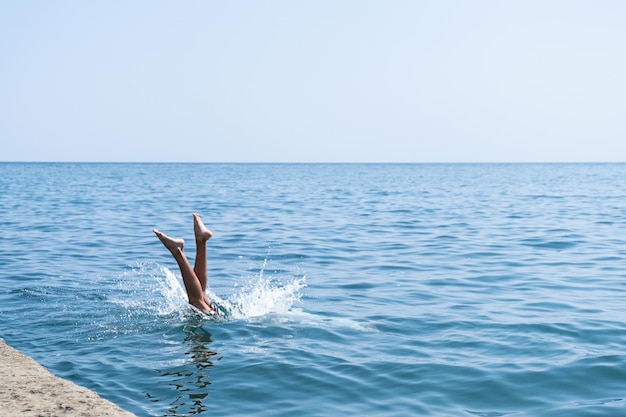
point(154, 287)
point(173, 293)
point(150, 287)
point(261, 296)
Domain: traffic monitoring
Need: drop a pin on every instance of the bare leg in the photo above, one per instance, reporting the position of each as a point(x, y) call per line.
point(195, 293)
point(202, 235)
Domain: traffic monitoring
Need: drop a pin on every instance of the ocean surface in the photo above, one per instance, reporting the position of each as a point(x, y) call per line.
point(348, 289)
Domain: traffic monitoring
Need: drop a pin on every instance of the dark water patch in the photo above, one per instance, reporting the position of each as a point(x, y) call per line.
point(539, 243)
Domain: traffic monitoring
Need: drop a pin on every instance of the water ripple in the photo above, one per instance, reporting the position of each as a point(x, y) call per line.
point(364, 289)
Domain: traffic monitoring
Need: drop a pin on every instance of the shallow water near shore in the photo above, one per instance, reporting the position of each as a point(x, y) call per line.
point(347, 289)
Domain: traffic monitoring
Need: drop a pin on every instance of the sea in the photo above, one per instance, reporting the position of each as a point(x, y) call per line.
point(345, 289)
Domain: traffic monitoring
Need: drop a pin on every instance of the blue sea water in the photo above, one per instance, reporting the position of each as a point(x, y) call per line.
point(350, 289)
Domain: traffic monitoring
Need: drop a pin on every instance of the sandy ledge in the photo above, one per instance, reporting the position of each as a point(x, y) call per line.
point(28, 389)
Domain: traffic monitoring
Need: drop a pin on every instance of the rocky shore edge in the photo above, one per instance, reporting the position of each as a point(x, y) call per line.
point(29, 389)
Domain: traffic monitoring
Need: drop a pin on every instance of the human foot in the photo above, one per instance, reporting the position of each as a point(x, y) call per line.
point(202, 233)
point(170, 243)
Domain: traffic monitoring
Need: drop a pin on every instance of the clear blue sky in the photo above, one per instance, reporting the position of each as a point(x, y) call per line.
point(313, 81)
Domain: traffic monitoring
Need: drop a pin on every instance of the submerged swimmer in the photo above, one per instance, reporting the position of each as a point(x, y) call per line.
point(195, 279)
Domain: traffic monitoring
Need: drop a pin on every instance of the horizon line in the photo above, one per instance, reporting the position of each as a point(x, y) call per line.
point(317, 162)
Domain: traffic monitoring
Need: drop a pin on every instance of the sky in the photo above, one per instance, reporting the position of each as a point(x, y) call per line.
point(313, 81)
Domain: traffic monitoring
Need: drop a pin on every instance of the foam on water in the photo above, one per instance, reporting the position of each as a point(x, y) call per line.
point(313, 320)
point(157, 289)
point(262, 295)
point(152, 288)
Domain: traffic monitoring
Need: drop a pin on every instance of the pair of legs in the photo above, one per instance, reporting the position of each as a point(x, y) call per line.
point(195, 279)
